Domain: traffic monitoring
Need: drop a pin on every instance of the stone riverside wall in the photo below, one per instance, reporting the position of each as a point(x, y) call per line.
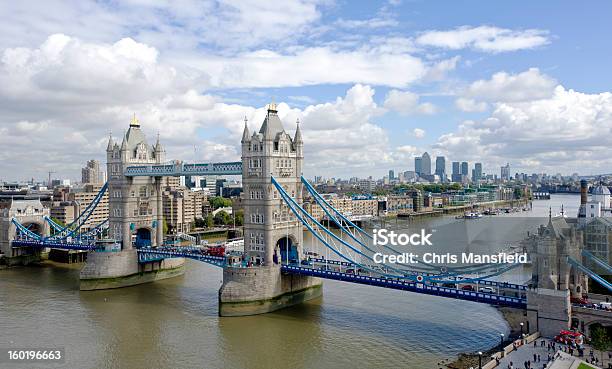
point(251, 291)
point(548, 310)
point(105, 270)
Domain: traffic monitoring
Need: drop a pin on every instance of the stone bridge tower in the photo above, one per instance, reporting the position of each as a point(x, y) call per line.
point(272, 234)
point(134, 203)
point(135, 218)
point(554, 281)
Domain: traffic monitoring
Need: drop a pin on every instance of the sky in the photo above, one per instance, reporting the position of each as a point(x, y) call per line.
point(374, 84)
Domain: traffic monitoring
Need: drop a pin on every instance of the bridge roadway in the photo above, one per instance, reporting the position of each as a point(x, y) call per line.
point(41, 244)
point(490, 298)
point(501, 286)
point(341, 273)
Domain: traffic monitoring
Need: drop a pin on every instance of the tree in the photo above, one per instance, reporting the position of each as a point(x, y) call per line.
point(199, 222)
point(58, 222)
point(518, 193)
point(219, 202)
point(166, 227)
point(600, 340)
point(210, 222)
point(222, 218)
point(239, 217)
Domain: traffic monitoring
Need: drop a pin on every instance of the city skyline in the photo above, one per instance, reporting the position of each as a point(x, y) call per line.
point(474, 88)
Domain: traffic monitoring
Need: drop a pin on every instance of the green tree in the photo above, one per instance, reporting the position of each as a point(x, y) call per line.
point(219, 202)
point(222, 218)
point(210, 221)
point(59, 222)
point(239, 217)
point(518, 193)
point(199, 222)
point(166, 227)
point(600, 340)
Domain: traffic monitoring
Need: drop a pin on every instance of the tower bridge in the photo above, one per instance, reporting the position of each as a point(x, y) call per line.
point(273, 271)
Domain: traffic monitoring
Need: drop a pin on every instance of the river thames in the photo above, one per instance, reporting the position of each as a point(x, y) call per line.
point(174, 323)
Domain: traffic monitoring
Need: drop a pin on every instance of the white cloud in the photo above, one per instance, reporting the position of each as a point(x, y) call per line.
point(557, 134)
point(418, 133)
point(312, 66)
point(525, 86)
point(406, 102)
point(376, 22)
point(80, 90)
point(470, 105)
point(484, 38)
point(439, 70)
point(164, 24)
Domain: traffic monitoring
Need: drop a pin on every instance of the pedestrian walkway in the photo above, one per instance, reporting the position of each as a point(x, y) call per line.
point(523, 357)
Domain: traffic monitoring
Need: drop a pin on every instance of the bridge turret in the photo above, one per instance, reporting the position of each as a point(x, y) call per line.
point(246, 136)
point(111, 144)
point(299, 149)
point(159, 152)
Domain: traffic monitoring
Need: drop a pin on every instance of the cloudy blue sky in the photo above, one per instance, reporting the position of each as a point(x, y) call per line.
point(374, 83)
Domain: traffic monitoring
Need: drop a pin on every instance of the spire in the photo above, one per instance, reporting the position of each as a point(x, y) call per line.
point(550, 212)
point(134, 122)
point(158, 146)
point(245, 132)
point(109, 147)
point(298, 133)
point(124, 142)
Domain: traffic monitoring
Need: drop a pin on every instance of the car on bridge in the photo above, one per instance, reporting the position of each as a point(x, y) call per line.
point(487, 290)
point(306, 262)
point(467, 287)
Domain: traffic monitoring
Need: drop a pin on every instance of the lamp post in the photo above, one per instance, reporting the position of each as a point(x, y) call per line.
point(521, 328)
point(479, 359)
point(501, 343)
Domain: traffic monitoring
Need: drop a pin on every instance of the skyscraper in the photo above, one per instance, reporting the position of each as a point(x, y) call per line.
point(418, 165)
point(391, 174)
point(505, 172)
point(426, 164)
point(477, 173)
point(456, 168)
point(464, 168)
point(441, 166)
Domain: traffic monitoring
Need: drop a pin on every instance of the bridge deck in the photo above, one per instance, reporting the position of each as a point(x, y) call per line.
point(52, 245)
point(457, 279)
point(410, 286)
